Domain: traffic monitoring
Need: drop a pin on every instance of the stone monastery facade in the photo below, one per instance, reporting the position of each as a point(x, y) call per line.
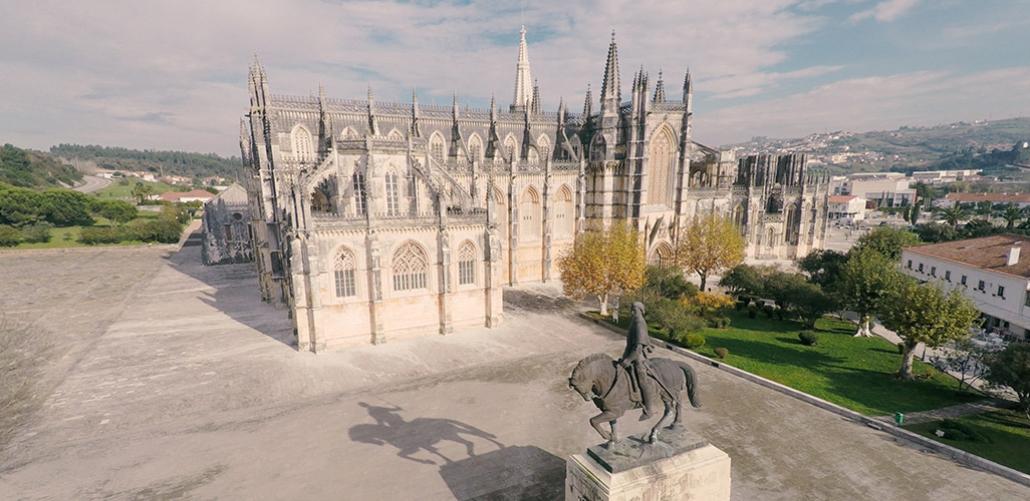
point(374, 221)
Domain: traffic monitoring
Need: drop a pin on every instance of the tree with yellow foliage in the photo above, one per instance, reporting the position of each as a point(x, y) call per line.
point(709, 245)
point(602, 263)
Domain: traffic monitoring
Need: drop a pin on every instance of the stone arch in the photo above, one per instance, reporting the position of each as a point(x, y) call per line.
point(349, 133)
point(344, 271)
point(475, 147)
point(661, 166)
point(661, 255)
point(409, 267)
point(532, 156)
point(438, 147)
point(511, 147)
point(544, 147)
point(529, 214)
point(395, 135)
point(770, 237)
point(302, 145)
point(738, 216)
point(564, 212)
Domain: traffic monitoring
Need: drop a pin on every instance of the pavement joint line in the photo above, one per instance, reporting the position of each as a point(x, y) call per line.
point(954, 453)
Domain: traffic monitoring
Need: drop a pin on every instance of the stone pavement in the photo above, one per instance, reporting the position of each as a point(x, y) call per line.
point(952, 411)
point(190, 390)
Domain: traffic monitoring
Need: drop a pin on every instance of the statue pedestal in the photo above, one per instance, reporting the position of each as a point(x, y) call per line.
point(681, 465)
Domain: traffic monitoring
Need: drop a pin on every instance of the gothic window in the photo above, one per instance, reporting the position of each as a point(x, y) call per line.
point(544, 145)
point(413, 192)
point(661, 161)
point(303, 150)
point(467, 263)
point(793, 224)
point(359, 194)
point(771, 240)
point(738, 217)
point(409, 268)
point(437, 148)
point(662, 255)
point(564, 212)
point(395, 135)
point(343, 274)
point(597, 148)
point(532, 156)
point(529, 212)
point(392, 195)
point(510, 147)
point(476, 148)
point(323, 197)
point(349, 133)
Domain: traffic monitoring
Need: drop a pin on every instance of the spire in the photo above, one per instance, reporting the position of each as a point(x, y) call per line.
point(688, 86)
point(536, 97)
point(659, 89)
point(523, 78)
point(373, 124)
point(493, 109)
point(611, 93)
point(416, 129)
point(588, 104)
point(454, 106)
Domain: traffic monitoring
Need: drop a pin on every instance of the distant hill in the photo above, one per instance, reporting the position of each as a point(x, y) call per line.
point(989, 145)
point(34, 169)
point(178, 163)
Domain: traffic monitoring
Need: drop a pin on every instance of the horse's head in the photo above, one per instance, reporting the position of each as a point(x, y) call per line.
point(582, 387)
point(584, 378)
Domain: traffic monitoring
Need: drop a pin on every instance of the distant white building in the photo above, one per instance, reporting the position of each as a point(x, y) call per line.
point(993, 272)
point(945, 176)
point(951, 199)
point(884, 189)
point(846, 207)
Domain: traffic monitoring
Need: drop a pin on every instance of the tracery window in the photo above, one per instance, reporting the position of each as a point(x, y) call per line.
point(476, 148)
point(392, 195)
point(564, 215)
point(344, 275)
point(529, 212)
point(409, 268)
point(359, 194)
point(510, 146)
point(302, 144)
point(544, 145)
point(467, 264)
point(660, 161)
point(437, 148)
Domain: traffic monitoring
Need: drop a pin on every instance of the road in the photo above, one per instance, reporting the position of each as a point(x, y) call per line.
point(92, 183)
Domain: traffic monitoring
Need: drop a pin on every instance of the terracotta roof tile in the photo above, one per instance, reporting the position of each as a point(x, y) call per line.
point(990, 253)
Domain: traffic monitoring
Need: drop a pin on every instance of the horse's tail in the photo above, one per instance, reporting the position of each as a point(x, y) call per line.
point(691, 379)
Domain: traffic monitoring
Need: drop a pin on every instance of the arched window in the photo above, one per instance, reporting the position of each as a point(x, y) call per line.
point(510, 147)
point(437, 148)
point(662, 255)
point(392, 195)
point(544, 145)
point(349, 133)
point(529, 212)
point(532, 156)
point(303, 150)
point(738, 217)
point(319, 201)
point(358, 179)
point(661, 159)
point(597, 148)
point(476, 148)
point(564, 212)
point(395, 135)
point(771, 238)
point(409, 268)
point(344, 275)
point(467, 263)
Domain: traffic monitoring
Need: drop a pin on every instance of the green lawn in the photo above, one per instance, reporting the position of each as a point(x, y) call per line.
point(1005, 437)
point(857, 373)
point(116, 190)
point(68, 236)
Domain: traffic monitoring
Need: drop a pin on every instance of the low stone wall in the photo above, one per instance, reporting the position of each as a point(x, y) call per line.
point(947, 450)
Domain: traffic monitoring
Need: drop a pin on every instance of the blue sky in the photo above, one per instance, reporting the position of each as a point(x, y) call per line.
point(172, 74)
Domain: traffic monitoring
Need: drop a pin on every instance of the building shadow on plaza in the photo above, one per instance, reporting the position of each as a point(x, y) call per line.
point(234, 291)
point(482, 468)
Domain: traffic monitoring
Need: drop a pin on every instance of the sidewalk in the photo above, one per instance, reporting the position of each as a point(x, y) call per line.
point(950, 412)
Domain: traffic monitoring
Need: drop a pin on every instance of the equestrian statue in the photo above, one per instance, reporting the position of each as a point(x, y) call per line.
point(634, 381)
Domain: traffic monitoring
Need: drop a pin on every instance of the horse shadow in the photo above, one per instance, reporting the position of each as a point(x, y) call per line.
point(497, 472)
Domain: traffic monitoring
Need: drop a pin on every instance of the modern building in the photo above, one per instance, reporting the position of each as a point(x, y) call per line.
point(186, 196)
point(944, 176)
point(376, 220)
point(883, 189)
point(1020, 200)
point(994, 272)
point(848, 208)
point(226, 227)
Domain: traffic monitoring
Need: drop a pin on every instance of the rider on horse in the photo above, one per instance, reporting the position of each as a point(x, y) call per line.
point(638, 347)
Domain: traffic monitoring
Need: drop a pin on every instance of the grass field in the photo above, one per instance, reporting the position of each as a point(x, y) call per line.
point(120, 191)
point(1005, 437)
point(857, 373)
point(68, 236)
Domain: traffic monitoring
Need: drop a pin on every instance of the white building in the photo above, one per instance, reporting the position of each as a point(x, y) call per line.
point(884, 189)
point(994, 272)
point(1020, 200)
point(846, 207)
point(945, 176)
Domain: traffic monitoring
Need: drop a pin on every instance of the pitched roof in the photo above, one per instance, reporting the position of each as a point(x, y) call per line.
point(989, 253)
point(234, 194)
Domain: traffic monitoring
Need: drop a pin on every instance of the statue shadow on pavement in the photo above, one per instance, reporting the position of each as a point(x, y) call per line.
point(495, 471)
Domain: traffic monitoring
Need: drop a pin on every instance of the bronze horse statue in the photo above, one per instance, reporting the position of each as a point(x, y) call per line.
point(600, 379)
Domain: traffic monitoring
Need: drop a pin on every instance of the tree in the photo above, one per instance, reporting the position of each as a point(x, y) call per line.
point(823, 266)
point(887, 241)
point(809, 302)
point(118, 211)
point(1012, 215)
point(142, 191)
point(913, 215)
point(965, 358)
point(668, 282)
point(866, 279)
point(1011, 368)
point(953, 215)
point(710, 245)
point(934, 232)
point(984, 209)
point(923, 313)
point(601, 263)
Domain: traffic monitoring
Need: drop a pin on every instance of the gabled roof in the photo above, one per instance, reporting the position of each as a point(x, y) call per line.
point(988, 253)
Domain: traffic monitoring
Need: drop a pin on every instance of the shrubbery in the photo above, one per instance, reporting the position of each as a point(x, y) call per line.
point(692, 341)
point(118, 211)
point(166, 228)
point(721, 352)
point(808, 338)
point(9, 236)
point(59, 207)
point(102, 235)
point(36, 233)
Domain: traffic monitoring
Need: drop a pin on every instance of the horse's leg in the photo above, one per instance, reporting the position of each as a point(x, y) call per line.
point(615, 433)
point(653, 436)
point(678, 420)
point(596, 421)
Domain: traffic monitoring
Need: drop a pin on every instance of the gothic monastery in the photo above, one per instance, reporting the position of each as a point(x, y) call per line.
point(375, 221)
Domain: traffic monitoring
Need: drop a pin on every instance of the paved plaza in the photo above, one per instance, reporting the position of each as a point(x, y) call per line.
point(174, 380)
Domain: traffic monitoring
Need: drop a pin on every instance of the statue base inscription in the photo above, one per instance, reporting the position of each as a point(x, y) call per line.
point(680, 465)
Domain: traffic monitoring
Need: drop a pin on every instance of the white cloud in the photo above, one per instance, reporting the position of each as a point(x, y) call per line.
point(877, 102)
point(885, 10)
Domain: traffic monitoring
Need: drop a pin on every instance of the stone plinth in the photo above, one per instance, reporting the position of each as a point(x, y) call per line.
point(681, 466)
